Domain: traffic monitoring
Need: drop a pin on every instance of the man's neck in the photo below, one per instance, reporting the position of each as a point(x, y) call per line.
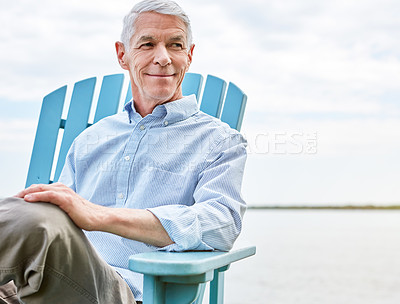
point(145, 106)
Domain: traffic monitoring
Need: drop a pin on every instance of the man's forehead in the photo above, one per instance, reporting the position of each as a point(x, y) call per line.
point(152, 24)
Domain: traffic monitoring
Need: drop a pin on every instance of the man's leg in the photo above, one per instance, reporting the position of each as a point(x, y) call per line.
point(8, 294)
point(51, 260)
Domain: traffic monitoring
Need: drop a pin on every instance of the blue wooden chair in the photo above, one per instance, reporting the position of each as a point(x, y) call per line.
point(177, 277)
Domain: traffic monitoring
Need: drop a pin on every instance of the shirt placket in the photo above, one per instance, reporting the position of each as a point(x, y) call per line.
point(128, 159)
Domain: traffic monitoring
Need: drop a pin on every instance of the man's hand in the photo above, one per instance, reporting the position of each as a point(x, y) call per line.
point(83, 213)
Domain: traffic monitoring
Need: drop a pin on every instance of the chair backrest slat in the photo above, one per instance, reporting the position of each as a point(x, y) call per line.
point(109, 97)
point(192, 84)
point(77, 119)
point(46, 137)
point(50, 120)
point(234, 106)
point(128, 96)
point(213, 96)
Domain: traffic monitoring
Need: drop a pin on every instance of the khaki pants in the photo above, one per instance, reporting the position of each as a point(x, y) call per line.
point(8, 294)
point(51, 261)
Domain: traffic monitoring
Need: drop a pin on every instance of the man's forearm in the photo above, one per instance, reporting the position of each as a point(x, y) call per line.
point(136, 224)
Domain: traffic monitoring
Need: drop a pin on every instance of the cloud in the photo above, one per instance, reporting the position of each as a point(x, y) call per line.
point(16, 134)
point(305, 57)
point(46, 43)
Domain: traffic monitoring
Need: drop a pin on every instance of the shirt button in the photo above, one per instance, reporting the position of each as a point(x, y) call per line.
point(142, 127)
point(127, 158)
point(166, 123)
point(121, 195)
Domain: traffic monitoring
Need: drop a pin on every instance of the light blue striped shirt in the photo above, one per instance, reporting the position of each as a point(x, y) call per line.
point(181, 164)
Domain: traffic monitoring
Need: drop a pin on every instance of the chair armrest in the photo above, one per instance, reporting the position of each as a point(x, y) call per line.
point(178, 277)
point(161, 263)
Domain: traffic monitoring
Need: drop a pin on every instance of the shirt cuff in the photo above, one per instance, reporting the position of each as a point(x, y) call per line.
point(183, 227)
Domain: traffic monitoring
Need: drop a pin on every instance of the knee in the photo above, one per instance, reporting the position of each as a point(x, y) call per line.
point(30, 217)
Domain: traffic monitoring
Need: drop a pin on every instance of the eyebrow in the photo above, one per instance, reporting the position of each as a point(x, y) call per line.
point(177, 38)
point(146, 38)
point(152, 38)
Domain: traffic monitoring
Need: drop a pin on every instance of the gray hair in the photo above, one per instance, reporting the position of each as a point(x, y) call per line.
point(165, 7)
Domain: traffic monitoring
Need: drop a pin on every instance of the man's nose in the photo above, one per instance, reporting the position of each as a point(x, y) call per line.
point(162, 56)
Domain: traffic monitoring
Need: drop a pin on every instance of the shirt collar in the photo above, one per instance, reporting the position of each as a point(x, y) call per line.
point(172, 112)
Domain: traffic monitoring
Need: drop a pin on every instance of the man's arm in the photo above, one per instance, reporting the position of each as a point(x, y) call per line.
point(135, 224)
point(214, 221)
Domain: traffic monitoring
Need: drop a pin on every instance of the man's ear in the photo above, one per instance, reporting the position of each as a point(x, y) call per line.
point(190, 56)
point(120, 48)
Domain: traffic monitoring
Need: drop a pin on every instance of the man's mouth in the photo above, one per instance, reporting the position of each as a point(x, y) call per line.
point(160, 75)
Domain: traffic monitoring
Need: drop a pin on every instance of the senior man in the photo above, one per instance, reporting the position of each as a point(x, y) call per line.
point(161, 175)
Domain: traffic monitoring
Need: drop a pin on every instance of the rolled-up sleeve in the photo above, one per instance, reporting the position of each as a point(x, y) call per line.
point(214, 221)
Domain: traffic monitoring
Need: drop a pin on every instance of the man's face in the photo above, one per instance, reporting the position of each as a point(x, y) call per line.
point(158, 58)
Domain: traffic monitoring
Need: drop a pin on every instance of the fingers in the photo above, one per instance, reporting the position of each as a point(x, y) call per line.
point(82, 212)
point(43, 196)
point(41, 192)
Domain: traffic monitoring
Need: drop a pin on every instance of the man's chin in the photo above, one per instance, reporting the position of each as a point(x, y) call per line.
point(156, 94)
point(161, 97)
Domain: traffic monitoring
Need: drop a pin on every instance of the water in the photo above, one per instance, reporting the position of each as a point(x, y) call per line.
point(318, 256)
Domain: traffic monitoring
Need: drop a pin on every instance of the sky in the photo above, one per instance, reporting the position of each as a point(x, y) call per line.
point(322, 79)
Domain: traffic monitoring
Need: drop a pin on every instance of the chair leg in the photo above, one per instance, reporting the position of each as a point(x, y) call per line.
point(171, 290)
point(217, 286)
point(154, 290)
point(201, 293)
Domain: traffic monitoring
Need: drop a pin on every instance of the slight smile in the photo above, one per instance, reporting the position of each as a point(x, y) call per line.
point(160, 75)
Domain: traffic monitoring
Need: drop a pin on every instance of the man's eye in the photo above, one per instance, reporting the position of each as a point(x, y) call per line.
point(147, 45)
point(177, 45)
